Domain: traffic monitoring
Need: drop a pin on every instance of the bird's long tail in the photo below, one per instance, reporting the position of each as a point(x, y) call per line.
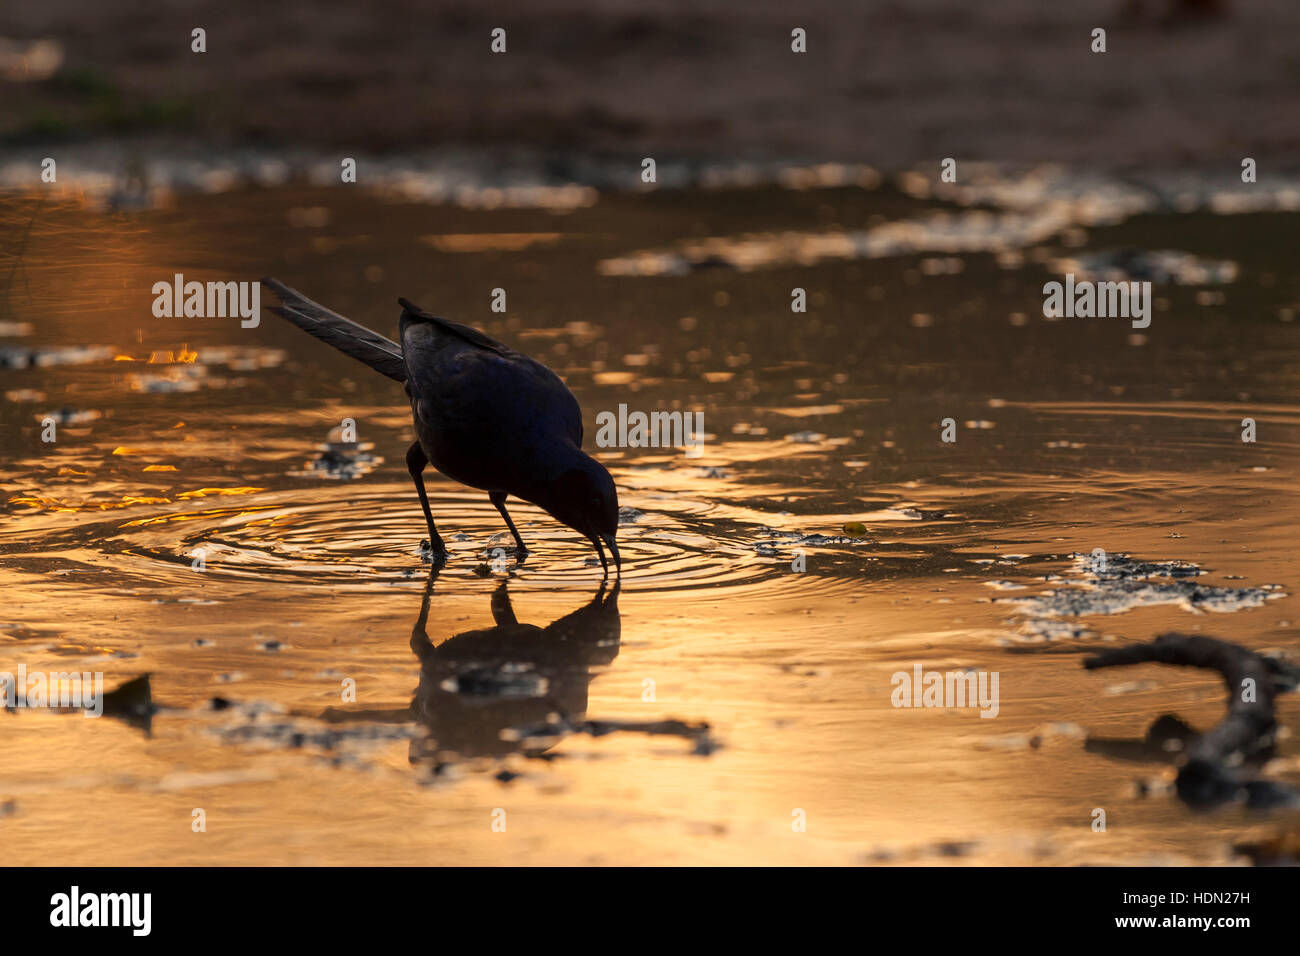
point(381, 354)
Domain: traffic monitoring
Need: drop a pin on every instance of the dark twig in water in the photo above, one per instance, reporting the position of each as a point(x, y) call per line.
point(1207, 778)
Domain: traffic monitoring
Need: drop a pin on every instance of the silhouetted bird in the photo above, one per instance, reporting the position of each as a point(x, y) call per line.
point(485, 415)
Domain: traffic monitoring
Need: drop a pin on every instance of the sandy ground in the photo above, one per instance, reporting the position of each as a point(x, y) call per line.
point(885, 83)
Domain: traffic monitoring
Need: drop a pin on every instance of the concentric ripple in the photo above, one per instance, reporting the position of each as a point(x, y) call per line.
point(342, 539)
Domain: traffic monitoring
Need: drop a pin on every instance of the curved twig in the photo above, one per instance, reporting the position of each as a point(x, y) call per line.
point(1206, 777)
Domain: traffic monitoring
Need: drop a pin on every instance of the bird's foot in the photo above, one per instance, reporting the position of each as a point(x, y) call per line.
point(436, 553)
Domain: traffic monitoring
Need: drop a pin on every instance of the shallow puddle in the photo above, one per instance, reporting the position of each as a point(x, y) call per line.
point(325, 697)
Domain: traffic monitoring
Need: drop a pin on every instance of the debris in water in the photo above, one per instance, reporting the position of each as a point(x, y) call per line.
point(1210, 774)
point(1116, 583)
point(71, 416)
point(702, 742)
point(13, 357)
point(1159, 266)
point(341, 460)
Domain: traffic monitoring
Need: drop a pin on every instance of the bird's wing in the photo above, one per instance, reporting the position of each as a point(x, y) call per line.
point(507, 371)
point(381, 354)
point(518, 395)
point(458, 386)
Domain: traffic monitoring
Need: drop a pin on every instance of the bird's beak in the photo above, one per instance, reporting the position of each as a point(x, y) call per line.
point(618, 562)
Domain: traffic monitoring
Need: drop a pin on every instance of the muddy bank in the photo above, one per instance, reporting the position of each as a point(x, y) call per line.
point(1181, 83)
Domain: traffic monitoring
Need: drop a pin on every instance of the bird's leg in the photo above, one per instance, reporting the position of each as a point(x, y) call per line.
point(502, 612)
point(415, 463)
point(498, 498)
point(420, 642)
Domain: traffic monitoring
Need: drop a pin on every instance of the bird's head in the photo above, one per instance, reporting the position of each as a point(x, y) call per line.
point(584, 498)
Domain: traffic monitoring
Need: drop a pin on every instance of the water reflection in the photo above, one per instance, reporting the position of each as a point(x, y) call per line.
point(477, 688)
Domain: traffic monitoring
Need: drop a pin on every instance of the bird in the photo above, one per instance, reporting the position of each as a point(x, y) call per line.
point(485, 416)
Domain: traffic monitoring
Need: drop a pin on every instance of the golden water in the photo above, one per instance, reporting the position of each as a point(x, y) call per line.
point(1079, 437)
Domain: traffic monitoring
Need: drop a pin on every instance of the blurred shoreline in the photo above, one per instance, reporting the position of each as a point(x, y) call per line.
point(145, 174)
point(1193, 85)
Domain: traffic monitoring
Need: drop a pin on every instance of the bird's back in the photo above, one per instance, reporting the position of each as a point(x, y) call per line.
point(486, 415)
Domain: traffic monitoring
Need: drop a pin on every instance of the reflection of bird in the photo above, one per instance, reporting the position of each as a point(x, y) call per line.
point(514, 688)
point(476, 684)
point(485, 415)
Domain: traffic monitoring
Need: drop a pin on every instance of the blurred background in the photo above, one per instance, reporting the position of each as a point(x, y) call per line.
point(1183, 81)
